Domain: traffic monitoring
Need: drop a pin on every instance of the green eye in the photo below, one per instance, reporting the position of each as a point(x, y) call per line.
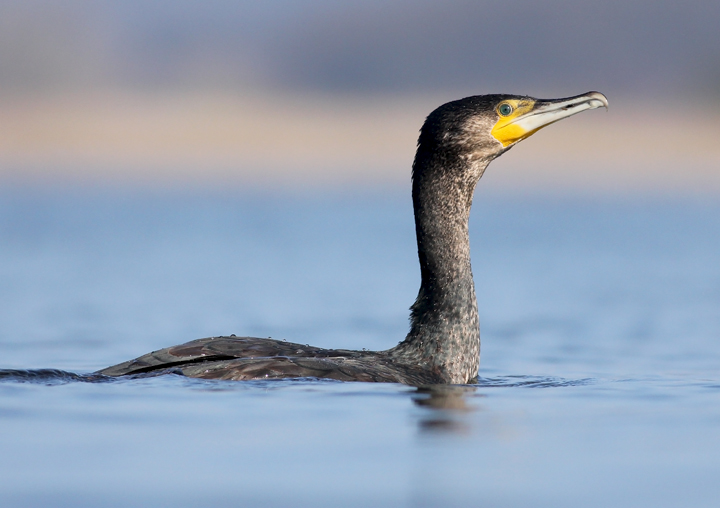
point(505, 109)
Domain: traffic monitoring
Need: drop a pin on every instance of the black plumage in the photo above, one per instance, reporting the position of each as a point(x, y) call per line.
point(457, 142)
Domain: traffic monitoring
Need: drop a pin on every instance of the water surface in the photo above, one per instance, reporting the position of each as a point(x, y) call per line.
point(599, 373)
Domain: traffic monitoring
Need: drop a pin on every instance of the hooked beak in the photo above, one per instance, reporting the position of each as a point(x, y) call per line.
point(528, 120)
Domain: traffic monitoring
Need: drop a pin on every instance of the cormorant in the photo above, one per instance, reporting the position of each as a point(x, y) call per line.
point(457, 142)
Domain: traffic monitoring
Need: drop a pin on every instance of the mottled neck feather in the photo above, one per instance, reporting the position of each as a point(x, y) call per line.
point(444, 330)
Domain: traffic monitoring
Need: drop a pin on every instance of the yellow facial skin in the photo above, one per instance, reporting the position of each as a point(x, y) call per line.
point(505, 130)
point(525, 116)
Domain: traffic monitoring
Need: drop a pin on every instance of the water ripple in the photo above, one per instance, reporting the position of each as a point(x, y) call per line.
point(531, 382)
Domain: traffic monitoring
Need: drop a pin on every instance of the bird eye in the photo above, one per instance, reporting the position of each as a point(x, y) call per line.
point(505, 109)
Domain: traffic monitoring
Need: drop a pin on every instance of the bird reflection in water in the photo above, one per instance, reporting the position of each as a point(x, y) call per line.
point(447, 408)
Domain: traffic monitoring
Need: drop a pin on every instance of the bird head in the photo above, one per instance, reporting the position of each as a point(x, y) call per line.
point(482, 127)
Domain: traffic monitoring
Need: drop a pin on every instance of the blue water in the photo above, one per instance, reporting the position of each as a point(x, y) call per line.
point(600, 368)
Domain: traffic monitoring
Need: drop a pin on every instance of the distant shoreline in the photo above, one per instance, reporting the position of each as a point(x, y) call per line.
point(334, 140)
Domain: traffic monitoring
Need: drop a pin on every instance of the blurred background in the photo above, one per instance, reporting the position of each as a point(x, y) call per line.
point(175, 169)
point(319, 93)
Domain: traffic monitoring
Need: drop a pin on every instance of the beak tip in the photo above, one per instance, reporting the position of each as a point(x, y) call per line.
point(597, 100)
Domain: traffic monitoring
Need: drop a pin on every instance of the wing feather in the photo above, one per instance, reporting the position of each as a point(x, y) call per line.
point(245, 358)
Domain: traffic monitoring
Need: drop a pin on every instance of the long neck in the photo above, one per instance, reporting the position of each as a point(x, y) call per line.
point(444, 333)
